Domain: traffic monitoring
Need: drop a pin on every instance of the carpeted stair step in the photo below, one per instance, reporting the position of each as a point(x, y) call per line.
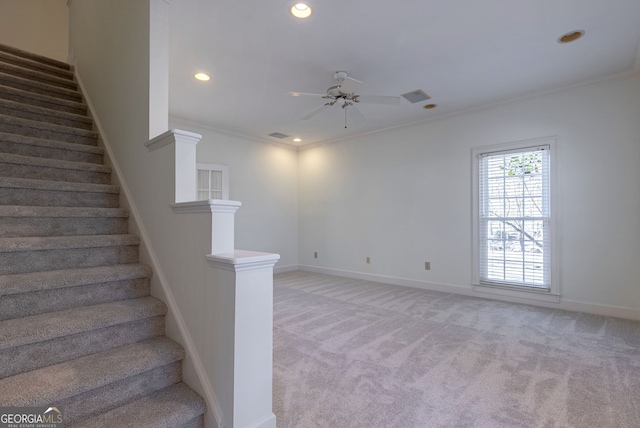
point(37, 76)
point(26, 111)
point(177, 406)
point(28, 192)
point(38, 147)
point(40, 100)
point(56, 279)
point(95, 383)
point(52, 325)
point(36, 65)
point(22, 359)
point(73, 290)
point(37, 254)
point(16, 220)
point(49, 131)
point(20, 166)
point(81, 328)
point(39, 87)
point(19, 54)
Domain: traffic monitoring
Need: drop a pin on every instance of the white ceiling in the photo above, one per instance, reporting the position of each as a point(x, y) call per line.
point(464, 53)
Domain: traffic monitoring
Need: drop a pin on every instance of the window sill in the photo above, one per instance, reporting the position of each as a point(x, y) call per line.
point(532, 294)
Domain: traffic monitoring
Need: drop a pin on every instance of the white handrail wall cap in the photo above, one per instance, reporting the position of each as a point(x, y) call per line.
point(207, 206)
point(239, 260)
point(173, 136)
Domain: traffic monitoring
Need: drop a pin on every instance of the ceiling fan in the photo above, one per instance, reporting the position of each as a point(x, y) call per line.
point(343, 93)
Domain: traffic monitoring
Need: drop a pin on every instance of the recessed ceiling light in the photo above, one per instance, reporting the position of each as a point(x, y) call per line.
point(430, 106)
point(297, 140)
point(202, 76)
point(301, 10)
point(571, 36)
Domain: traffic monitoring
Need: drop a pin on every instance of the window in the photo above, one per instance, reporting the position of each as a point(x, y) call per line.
point(512, 217)
point(213, 181)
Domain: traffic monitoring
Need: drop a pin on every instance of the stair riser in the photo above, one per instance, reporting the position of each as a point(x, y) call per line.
point(47, 134)
point(43, 260)
point(56, 120)
point(36, 66)
point(49, 152)
point(38, 77)
point(118, 393)
point(27, 304)
point(39, 88)
point(53, 174)
point(53, 198)
point(23, 97)
point(62, 226)
point(37, 355)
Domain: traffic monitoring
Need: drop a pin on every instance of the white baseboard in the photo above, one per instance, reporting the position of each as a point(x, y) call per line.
point(283, 269)
point(569, 305)
point(213, 405)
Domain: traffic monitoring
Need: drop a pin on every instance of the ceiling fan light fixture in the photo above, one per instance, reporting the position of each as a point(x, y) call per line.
point(202, 76)
point(301, 10)
point(571, 36)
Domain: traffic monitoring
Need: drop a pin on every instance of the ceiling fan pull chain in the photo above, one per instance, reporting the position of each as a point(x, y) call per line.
point(345, 118)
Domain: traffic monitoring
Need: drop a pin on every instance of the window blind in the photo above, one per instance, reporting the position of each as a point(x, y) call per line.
point(514, 218)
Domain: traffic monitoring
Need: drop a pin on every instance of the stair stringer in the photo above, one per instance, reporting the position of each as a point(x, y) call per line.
point(194, 373)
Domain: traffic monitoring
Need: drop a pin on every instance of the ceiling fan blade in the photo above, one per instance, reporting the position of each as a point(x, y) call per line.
point(355, 114)
point(305, 94)
point(315, 111)
point(379, 99)
point(349, 86)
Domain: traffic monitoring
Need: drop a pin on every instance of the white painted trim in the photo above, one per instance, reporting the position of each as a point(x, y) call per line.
point(242, 260)
point(543, 296)
point(210, 206)
point(568, 305)
point(173, 136)
point(553, 293)
point(210, 396)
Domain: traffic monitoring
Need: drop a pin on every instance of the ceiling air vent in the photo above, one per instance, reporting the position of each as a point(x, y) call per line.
point(416, 96)
point(278, 135)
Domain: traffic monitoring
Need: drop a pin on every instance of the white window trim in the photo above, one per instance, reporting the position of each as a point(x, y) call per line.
point(552, 294)
point(216, 167)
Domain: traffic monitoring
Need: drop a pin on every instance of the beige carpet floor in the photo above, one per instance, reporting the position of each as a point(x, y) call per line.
point(350, 353)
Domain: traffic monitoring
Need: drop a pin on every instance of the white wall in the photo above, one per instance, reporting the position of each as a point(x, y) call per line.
point(264, 179)
point(38, 26)
point(403, 197)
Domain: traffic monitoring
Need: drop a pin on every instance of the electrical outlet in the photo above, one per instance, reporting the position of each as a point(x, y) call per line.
point(427, 265)
point(315, 254)
point(368, 260)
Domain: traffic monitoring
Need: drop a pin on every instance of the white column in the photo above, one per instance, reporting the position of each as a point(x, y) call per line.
point(222, 221)
point(249, 282)
point(183, 157)
point(158, 66)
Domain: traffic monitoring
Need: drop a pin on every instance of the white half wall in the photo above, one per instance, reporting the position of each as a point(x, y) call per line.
point(264, 178)
point(38, 26)
point(403, 197)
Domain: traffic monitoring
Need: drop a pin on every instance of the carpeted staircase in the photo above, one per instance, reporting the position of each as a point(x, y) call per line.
point(78, 328)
